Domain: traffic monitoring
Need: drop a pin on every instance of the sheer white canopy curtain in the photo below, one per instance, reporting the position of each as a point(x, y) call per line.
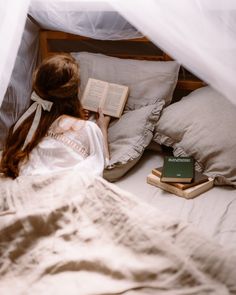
point(95, 19)
point(12, 22)
point(200, 34)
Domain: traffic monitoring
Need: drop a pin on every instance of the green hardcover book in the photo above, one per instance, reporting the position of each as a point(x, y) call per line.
point(178, 169)
point(198, 178)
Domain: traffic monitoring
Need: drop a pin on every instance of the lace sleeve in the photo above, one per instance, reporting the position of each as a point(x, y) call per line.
point(78, 145)
point(71, 132)
point(83, 137)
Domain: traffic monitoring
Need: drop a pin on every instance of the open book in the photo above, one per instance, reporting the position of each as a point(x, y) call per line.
point(109, 96)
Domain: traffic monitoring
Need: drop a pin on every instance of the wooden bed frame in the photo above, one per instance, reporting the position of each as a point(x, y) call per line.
point(52, 42)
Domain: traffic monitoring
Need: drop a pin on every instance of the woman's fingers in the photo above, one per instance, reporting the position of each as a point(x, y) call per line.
point(86, 114)
point(102, 121)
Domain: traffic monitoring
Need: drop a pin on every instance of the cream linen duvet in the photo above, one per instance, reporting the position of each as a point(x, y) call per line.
point(74, 234)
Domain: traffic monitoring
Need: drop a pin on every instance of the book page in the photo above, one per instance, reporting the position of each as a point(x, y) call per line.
point(94, 94)
point(115, 99)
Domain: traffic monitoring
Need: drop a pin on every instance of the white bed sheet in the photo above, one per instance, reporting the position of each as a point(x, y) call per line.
point(213, 212)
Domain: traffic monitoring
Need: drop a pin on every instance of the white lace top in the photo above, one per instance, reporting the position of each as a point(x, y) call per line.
point(69, 144)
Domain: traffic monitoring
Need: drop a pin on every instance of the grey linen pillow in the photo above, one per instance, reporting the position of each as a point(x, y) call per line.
point(202, 125)
point(151, 85)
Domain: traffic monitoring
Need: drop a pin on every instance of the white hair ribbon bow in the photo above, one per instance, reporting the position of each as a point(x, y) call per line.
point(38, 105)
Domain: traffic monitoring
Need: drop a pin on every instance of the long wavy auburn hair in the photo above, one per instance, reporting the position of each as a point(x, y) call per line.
point(56, 80)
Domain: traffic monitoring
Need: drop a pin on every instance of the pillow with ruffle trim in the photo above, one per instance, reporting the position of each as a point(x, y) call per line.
point(202, 125)
point(151, 86)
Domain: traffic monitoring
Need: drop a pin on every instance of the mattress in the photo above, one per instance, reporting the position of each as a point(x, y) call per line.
point(212, 212)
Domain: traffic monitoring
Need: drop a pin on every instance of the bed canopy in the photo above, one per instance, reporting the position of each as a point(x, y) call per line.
point(203, 29)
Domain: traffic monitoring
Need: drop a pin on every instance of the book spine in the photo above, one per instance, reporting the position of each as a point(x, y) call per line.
point(154, 180)
point(193, 192)
point(178, 185)
point(188, 193)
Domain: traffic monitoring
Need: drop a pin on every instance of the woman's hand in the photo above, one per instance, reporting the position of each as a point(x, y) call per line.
point(86, 114)
point(102, 121)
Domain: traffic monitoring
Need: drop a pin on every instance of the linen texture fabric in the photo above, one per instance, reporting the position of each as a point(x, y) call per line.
point(202, 125)
point(151, 86)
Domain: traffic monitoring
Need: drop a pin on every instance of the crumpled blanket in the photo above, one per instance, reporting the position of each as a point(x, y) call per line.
point(75, 234)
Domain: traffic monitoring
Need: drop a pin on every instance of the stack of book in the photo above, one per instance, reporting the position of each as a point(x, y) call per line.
point(178, 176)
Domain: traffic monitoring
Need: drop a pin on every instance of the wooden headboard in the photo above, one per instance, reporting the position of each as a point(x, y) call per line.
point(52, 42)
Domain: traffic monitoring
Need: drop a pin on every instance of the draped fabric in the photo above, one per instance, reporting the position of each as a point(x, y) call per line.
point(95, 19)
point(12, 21)
point(17, 96)
point(200, 34)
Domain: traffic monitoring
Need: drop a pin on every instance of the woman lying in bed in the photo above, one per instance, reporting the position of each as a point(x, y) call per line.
point(52, 134)
point(70, 233)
